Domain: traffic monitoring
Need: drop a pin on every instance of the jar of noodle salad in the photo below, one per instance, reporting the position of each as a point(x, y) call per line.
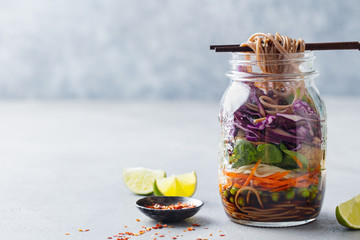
point(272, 141)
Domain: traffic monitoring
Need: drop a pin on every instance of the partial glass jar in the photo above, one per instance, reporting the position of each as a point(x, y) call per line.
point(272, 141)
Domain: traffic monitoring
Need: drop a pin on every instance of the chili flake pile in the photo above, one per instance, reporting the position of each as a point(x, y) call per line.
point(176, 206)
point(156, 235)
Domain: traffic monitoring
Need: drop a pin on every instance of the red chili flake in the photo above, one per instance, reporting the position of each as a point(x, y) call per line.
point(210, 234)
point(138, 220)
point(206, 228)
point(178, 205)
point(222, 235)
point(109, 237)
point(196, 225)
point(165, 225)
point(86, 230)
point(190, 229)
point(67, 233)
point(162, 236)
point(174, 237)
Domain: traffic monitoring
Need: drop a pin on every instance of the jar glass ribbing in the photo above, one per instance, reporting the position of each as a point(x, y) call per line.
point(272, 141)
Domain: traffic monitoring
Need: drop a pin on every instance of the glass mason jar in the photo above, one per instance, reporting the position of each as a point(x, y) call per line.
point(272, 141)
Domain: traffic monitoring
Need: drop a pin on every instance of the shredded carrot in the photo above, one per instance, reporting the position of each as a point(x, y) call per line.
point(298, 162)
point(235, 175)
point(259, 120)
point(252, 172)
point(273, 175)
point(238, 185)
point(280, 189)
point(279, 175)
point(274, 182)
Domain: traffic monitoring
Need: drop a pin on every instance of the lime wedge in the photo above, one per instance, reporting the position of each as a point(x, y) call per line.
point(348, 213)
point(183, 185)
point(140, 180)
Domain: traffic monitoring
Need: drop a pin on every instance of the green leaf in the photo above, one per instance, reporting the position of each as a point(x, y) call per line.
point(269, 153)
point(244, 153)
point(299, 156)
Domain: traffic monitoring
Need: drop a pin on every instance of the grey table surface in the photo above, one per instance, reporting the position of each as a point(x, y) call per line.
point(61, 166)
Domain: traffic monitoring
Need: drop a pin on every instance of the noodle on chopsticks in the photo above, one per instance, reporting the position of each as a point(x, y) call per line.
point(271, 51)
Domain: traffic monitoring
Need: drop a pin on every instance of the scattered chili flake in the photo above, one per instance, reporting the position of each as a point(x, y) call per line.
point(178, 205)
point(206, 228)
point(174, 237)
point(109, 237)
point(196, 225)
point(67, 233)
point(222, 235)
point(162, 236)
point(190, 229)
point(80, 230)
point(86, 230)
point(138, 220)
point(210, 234)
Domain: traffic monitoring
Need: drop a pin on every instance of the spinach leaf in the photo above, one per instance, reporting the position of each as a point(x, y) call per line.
point(244, 153)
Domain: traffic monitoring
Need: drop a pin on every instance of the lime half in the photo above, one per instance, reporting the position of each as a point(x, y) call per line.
point(140, 180)
point(183, 185)
point(348, 213)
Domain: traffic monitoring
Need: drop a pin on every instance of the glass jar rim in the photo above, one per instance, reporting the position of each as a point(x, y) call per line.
point(241, 62)
point(241, 56)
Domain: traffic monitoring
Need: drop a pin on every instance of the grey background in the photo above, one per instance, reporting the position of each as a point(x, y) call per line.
point(117, 49)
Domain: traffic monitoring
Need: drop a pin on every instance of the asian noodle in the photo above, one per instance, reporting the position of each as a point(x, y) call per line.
point(277, 212)
point(271, 52)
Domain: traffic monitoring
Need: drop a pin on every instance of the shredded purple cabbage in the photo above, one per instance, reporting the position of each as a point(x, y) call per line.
point(292, 129)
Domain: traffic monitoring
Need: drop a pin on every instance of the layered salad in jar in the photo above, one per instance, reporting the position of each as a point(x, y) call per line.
point(271, 158)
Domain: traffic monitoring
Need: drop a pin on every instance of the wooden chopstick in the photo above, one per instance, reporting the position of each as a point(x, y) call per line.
point(308, 46)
